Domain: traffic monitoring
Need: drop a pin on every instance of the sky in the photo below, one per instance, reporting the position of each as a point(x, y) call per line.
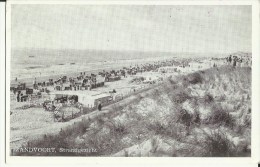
point(219, 29)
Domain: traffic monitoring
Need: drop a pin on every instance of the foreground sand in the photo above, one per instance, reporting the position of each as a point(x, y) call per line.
point(26, 124)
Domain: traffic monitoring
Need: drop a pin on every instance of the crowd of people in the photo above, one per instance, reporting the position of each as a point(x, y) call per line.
point(236, 61)
point(90, 81)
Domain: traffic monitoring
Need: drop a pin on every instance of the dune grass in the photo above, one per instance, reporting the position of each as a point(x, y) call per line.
point(213, 89)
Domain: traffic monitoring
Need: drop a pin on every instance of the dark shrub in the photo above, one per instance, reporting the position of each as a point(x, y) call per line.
point(217, 144)
point(172, 129)
point(118, 129)
point(196, 117)
point(156, 93)
point(184, 117)
point(195, 78)
point(180, 97)
point(221, 117)
point(157, 127)
point(172, 81)
point(208, 98)
point(138, 80)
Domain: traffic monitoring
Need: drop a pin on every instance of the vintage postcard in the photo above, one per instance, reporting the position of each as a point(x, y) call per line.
point(130, 79)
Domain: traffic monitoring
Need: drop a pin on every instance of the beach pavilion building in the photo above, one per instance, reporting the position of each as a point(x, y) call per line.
point(87, 98)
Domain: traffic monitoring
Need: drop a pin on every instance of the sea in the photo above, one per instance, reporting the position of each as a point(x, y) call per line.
point(35, 63)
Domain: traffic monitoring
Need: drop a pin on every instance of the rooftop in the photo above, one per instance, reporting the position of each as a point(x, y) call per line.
point(95, 94)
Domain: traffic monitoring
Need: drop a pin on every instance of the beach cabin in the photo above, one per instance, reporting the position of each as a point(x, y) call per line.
point(167, 69)
point(58, 87)
point(67, 86)
point(29, 91)
point(21, 86)
point(100, 81)
point(151, 78)
point(17, 87)
point(113, 78)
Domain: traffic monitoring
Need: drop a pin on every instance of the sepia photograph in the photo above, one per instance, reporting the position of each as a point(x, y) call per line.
point(115, 80)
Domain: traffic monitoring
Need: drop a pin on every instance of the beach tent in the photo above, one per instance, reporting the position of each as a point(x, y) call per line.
point(58, 87)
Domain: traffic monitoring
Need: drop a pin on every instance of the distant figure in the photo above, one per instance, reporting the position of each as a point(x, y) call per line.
point(16, 79)
point(230, 59)
point(234, 62)
point(239, 62)
point(99, 106)
point(18, 97)
point(21, 98)
point(29, 98)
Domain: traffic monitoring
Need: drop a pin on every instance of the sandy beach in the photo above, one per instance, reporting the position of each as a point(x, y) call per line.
point(44, 73)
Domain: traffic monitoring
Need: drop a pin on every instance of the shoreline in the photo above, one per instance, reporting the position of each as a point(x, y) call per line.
point(29, 81)
point(111, 66)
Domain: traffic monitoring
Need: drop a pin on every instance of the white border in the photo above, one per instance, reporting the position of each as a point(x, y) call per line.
point(147, 160)
point(135, 2)
point(2, 86)
point(255, 83)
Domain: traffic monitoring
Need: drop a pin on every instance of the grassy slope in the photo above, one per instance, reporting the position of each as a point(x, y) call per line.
point(202, 114)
